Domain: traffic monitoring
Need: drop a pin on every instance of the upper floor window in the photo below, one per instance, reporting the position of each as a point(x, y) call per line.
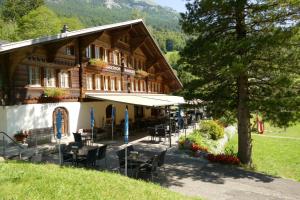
point(34, 76)
point(112, 84)
point(141, 86)
point(159, 87)
point(136, 86)
point(97, 52)
point(132, 86)
point(105, 83)
point(70, 50)
point(98, 82)
point(89, 81)
point(49, 77)
point(119, 85)
point(64, 79)
point(88, 52)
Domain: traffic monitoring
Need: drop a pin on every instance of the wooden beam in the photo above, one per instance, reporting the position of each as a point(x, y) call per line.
point(52, 49)
point(153, 63)
point(116, 35)
point(16, 57)
point(137, 42)
point(85, 41)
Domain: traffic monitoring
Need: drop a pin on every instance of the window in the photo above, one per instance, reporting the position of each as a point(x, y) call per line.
point(70, 50)
point(34, 76)
point(97, 52)
point(119, 85)
point(49, 78)
point(89, 82)
point(98, 82)
point(136, 86)
point(145, 88)
point(105, 83)
point(158, 87)
point(141, 86)
point(132, 86)
point(112, 84)
point(149, 86)
point(88, 52)
point(64, 79)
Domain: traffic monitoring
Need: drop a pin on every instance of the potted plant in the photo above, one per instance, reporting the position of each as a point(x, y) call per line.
point(98, 62)
point(20, 136)
point(53, 95)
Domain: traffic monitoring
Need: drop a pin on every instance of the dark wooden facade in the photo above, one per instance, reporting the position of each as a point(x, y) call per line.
point(120, 59)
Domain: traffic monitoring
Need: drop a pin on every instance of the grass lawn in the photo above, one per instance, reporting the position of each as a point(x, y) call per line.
point(44, 181)
point(276, 156)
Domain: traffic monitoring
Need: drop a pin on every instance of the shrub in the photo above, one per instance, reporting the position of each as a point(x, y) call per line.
point(212, 128)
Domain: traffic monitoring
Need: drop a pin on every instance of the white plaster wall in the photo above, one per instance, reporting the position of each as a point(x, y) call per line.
point(3, 119)
point(24, 117)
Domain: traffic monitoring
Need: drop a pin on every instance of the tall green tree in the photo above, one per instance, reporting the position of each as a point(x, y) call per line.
point(39, 22)
point(14, 10)
point(246, 60)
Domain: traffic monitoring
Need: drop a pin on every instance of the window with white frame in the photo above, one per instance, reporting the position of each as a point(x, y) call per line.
point(136, 86)
point(49, 77)
point(70, 50)
point(105, 83)
point(97, 52)
point(98, 82)
point(132, 86)
point(89, 82)
point(119, 85)
point(64, 79)
point(158, 87)
point(112, 84)
point(34, 76)
point(149, 86)
point(141, 86)
point(88, 52)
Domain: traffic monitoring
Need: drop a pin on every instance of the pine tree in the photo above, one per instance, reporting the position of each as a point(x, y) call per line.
point(246, 57)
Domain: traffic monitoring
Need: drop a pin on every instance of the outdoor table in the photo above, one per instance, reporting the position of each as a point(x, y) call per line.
point(81, 152)
point(86, 137)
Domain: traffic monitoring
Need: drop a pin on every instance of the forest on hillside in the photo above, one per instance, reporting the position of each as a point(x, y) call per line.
point(21, 20)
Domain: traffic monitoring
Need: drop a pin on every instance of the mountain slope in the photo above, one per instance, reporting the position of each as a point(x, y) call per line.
point(98, 12)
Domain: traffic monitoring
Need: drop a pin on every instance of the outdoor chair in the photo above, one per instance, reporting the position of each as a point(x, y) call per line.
point(152, 133)
point(67, 156)
point(149, 168)
point(90, 159)
point(102, 154)
point(161, 132)
point(78, 140)
point(121, 155)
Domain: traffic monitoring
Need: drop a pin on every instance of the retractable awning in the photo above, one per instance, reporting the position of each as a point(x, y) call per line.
point(151, 100)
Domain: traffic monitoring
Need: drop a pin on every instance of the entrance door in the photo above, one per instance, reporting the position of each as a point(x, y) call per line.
point(64, 121)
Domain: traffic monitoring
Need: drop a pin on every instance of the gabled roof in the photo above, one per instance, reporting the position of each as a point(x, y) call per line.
point(9, 47)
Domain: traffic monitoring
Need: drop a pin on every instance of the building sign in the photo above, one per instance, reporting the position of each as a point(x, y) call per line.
point(129, 71)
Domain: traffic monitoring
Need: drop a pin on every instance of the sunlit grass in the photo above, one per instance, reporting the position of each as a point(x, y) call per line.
point(276, 156)
point(31, 181)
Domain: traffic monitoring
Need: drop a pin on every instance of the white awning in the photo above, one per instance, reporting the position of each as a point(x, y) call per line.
point(151, 100)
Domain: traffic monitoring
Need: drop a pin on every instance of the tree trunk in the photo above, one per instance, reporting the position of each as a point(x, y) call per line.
point(244, 133)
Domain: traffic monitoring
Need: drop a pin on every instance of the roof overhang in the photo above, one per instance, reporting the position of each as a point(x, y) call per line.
point(150, 100)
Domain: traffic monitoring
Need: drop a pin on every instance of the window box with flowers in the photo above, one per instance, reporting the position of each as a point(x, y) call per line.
point(98, 62)
point(141, 72)
point(53, 95)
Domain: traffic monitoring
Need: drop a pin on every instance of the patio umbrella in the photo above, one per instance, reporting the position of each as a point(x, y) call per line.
point(58, 130)
point(92, 118)
point(126, 133)
point(113, 111)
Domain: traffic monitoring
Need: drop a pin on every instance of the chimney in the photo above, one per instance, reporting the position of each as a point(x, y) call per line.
point(65, 29)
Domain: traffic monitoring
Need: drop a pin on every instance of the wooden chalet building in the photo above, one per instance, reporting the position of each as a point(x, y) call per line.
point(118, 64)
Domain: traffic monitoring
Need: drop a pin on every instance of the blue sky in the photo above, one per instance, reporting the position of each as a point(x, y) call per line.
point(178, 5)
